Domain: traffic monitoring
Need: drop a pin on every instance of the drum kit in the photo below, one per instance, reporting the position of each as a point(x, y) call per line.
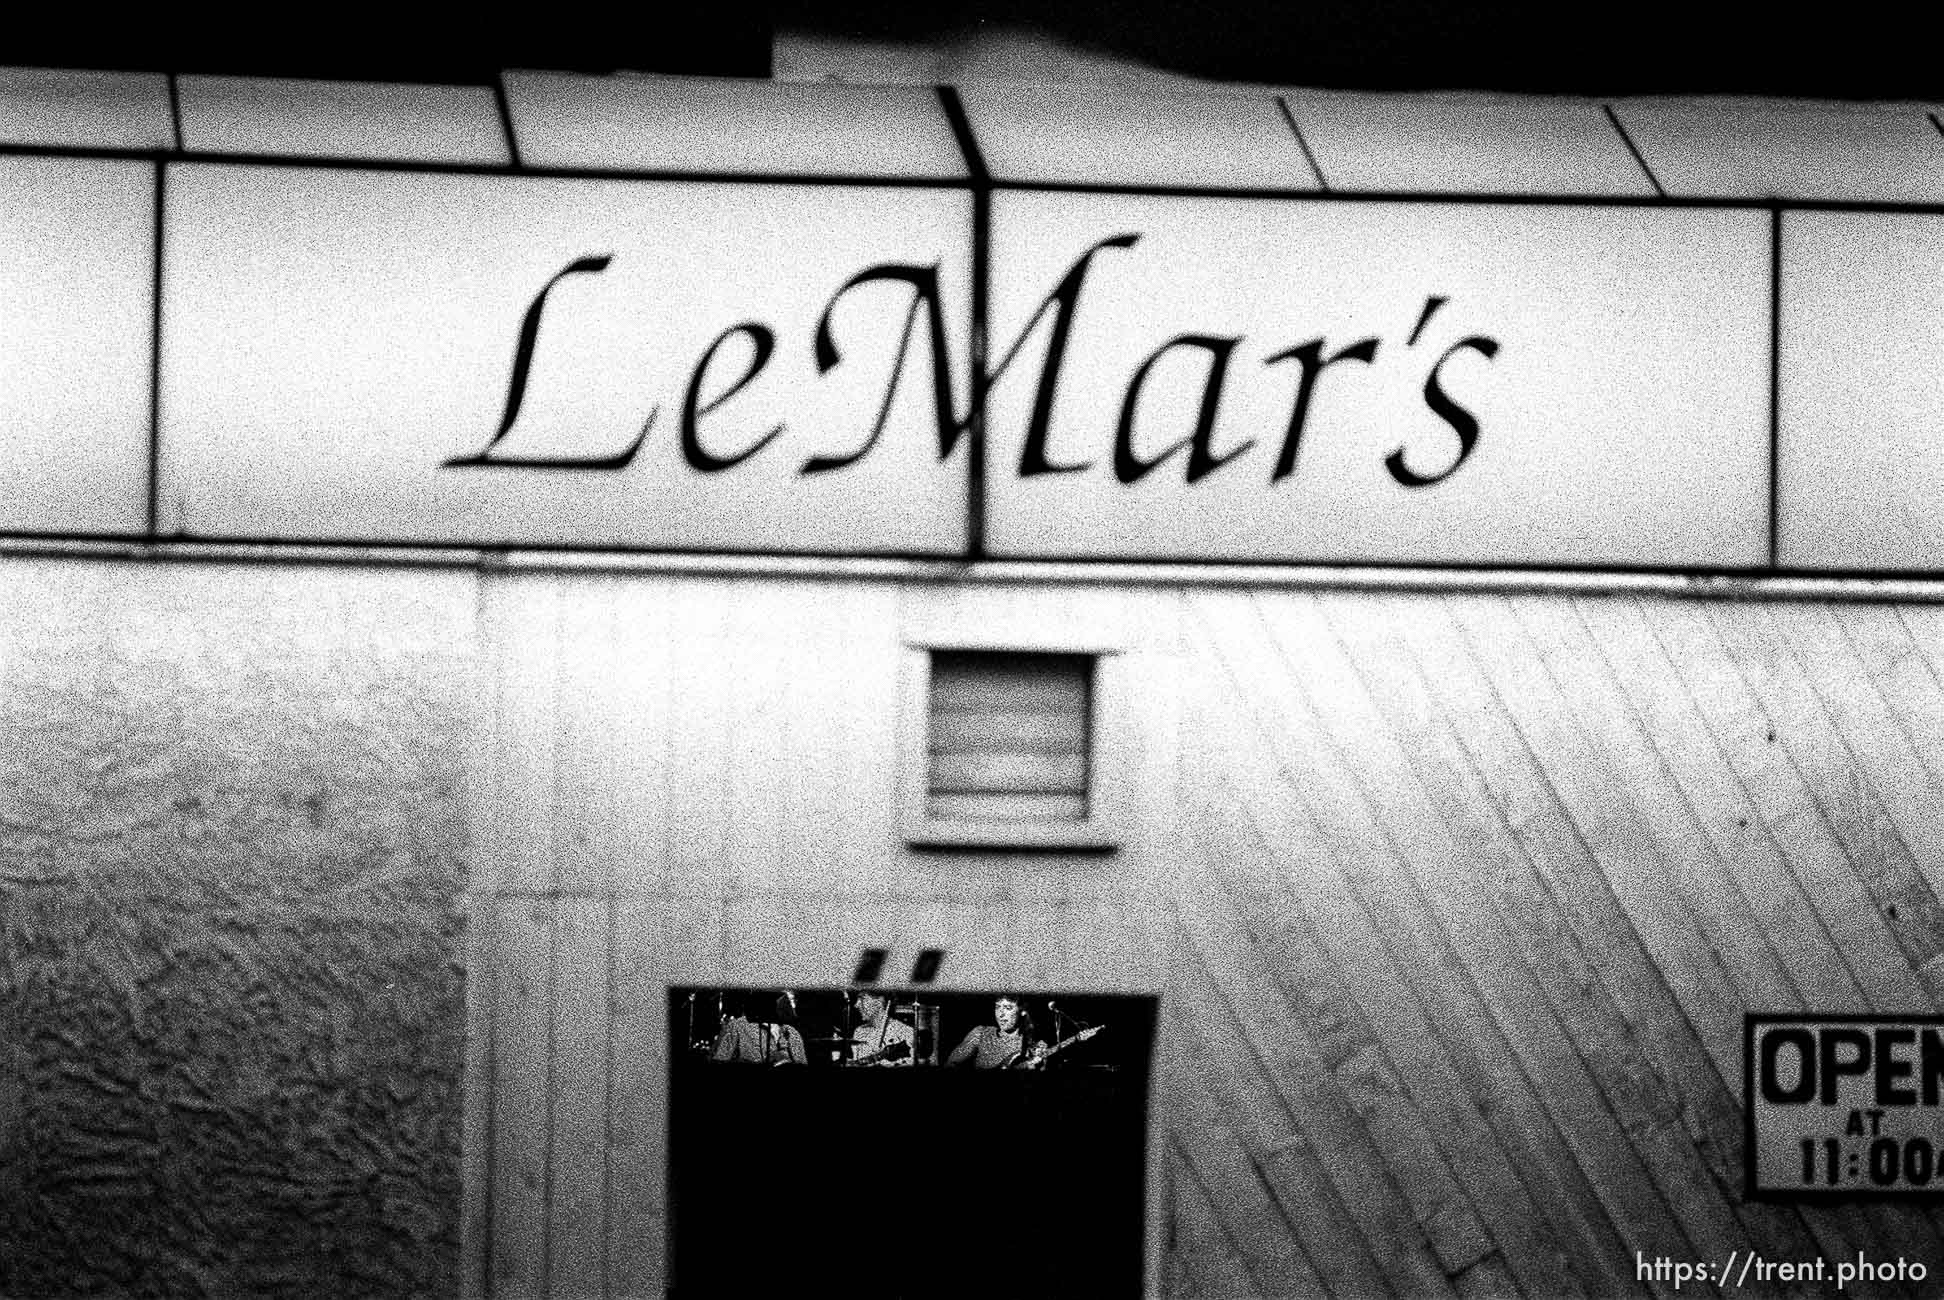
point(848, 1047)
point(837, 1049)
point(923, 1049)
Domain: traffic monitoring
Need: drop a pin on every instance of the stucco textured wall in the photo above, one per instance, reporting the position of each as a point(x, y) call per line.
point(232, 868)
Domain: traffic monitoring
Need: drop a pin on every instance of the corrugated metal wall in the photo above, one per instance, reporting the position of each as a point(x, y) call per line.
point(1455, 903)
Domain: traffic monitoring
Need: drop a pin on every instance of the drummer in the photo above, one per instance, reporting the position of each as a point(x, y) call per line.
point(880, 1038)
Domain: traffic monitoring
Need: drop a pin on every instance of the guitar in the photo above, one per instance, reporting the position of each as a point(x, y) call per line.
point(1023, 1061)
point(889, 1052)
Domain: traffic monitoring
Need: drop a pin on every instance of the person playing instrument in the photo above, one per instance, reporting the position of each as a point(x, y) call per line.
point(761, 1042)
point(880, 1038)
point(1009, 1040)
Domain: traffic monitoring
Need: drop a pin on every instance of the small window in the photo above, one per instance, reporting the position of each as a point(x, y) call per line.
point(1010, 753)
point(1009, 736)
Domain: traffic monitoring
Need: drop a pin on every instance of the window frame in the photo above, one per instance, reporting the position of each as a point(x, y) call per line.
point(1103, 829)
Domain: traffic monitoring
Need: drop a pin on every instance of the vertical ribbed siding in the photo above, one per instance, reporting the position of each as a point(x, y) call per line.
point(1009, 736)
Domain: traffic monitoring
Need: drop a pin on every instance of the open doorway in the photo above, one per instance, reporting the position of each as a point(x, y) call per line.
point(825, 1139)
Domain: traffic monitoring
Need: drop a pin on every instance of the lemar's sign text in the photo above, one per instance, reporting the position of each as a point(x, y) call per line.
point(480, 360)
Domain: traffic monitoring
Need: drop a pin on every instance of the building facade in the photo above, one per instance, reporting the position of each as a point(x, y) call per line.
point(483, 563)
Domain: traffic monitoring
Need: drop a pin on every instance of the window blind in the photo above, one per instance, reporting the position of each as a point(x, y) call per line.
point(1010, 735)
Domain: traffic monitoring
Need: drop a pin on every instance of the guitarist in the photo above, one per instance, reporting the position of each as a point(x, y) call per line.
point(1009, 1040)
point(746, 1037)
point(880, 1038)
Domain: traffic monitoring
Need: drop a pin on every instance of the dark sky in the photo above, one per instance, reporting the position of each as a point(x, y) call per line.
point(1655, 46)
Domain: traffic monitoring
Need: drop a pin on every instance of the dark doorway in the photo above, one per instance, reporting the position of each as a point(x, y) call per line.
point(906, 1177)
